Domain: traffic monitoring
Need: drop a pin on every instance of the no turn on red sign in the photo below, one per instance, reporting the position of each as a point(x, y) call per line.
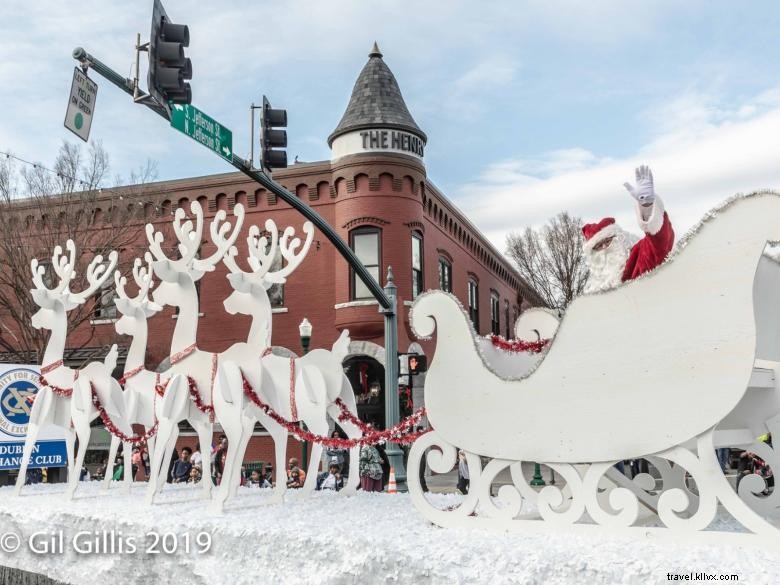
point(81, 104)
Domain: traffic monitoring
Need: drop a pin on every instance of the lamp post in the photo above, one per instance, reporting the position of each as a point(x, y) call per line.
point(537, 479)
point(304, 329)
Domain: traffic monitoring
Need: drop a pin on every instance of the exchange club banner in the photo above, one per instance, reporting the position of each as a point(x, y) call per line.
point(18, 387)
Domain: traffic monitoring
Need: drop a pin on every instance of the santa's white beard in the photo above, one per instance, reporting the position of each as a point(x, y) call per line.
point(606, 266)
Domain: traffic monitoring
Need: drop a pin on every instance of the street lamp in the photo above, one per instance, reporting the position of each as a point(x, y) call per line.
point(305, 331)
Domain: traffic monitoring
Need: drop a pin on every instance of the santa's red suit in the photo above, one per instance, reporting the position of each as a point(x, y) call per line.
point(620, 260)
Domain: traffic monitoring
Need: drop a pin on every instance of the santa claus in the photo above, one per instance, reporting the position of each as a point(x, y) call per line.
point(613, 255)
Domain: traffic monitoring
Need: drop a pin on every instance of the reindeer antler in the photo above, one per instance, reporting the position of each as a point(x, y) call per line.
point(189, 238)
point(143, 278)
point(261, 260)
point(220, 229)
point(97, 274)
point(64, 268)
point(261, 255)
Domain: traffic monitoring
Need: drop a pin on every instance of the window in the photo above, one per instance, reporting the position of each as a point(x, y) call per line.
point(104, 302)
point(365, 244)
point(276, 292)
point(417, 264)
point(445, 274)
point(474, 303)
point(495, 325)
point(507, 322)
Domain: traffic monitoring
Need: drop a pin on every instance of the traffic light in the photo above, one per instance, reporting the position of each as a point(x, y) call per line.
point(417, 363)
point(168, 67)
point(272, 138)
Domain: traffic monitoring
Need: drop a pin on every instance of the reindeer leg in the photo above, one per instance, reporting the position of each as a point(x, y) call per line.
point(353, 432)
point(169, 447)
point(83, 431)
point(112, 450)
point(70, 447)
point(318, 427)
point(164, 431)
point(279, 435)
point(240, 452)
point(41, 411)
point(127, 450)
point(205, 432)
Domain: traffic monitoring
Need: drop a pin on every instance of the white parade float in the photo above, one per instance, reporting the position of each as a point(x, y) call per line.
point(70, 398)
point(675, 361)
point(140, 385)
point(188, 395)
point(298, 389)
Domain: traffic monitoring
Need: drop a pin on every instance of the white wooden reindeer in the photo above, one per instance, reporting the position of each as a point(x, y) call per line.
point(54, 401)
point(303, 389)
point(140, 384)
point(177, 288)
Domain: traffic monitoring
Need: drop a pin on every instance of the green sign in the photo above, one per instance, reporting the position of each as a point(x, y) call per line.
point(201, 128)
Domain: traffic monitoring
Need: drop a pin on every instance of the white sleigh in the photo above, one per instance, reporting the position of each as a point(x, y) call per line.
point(645, 370)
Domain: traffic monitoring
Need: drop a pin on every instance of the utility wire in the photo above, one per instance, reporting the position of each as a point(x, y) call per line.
point(9, 155)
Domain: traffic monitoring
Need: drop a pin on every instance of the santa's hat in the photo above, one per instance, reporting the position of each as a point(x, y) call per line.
point(597, 232)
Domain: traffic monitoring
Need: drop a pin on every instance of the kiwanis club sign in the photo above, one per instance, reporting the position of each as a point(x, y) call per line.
point(18, 387)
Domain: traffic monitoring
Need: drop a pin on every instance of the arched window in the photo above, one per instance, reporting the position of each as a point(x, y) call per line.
point(417, 263)
point(366, 242)
point(474, 303)
point(445, 274)
point(495, 322)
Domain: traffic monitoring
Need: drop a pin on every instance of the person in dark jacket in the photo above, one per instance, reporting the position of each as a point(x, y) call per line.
point(182, 467)
point(331, 479)
point(174, 458)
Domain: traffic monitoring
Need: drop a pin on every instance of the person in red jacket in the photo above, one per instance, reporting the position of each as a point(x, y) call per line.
point(613, 255)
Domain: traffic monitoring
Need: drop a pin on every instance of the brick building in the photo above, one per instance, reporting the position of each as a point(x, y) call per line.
point(375, 191)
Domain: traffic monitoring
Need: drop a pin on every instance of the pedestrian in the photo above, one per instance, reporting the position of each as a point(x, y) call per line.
point(423, 465)
point(268, 474)
point(331, 479)
point(174, 458)
point(293, 466)
point(463, 473)
point(370, 469)
point(197, 458)
point(219, 459)
point(339, 453)
point(195, 474)
point(182, 467)
point(257, 480)
point(385, 464)
point(136, 461)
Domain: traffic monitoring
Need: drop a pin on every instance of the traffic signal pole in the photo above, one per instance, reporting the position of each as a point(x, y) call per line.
point(385, 298)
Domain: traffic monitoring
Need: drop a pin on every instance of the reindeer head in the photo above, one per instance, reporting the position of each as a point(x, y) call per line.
point(135, 310)
point(55, 302)
point(182, 273)
point(252, 287)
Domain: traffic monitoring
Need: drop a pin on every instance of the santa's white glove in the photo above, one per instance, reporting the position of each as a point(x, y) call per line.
point(643, 192)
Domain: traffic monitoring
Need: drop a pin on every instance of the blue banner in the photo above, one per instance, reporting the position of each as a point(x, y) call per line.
point(45, 454)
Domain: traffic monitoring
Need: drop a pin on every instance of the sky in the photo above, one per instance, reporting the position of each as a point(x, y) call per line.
point(531, 107)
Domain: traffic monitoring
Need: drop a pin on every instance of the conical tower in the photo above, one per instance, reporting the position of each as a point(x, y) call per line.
point(376, 119)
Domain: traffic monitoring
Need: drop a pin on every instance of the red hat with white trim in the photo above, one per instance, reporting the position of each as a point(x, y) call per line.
point(597, 232)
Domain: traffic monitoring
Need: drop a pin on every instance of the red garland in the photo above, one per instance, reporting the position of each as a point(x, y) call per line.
point(371, 436)
point(195, 395)
point(129, 374)
point(518, 345)
point(58, 390)
point(111, 427)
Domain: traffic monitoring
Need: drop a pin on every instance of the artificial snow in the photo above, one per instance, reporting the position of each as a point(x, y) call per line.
point(332, 539)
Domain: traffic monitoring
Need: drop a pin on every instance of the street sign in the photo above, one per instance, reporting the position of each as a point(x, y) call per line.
point(81, 105)
point(202, 128)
